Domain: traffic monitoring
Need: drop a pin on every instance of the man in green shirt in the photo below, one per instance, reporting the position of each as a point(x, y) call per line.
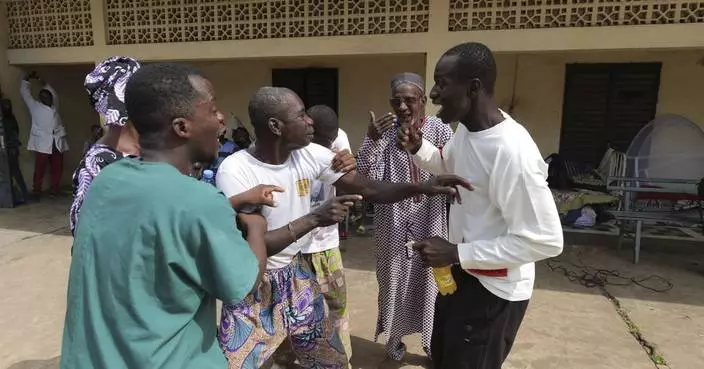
point(155, 248)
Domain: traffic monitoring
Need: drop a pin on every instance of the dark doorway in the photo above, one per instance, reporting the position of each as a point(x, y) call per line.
point(314, 85)
point(606, 105)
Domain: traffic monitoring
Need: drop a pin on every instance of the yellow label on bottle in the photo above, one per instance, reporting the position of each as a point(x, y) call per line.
point(445, 281)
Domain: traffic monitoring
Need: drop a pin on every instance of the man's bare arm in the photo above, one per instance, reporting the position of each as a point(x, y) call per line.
point(330, 212)
point(278, 239)
point(389, 192)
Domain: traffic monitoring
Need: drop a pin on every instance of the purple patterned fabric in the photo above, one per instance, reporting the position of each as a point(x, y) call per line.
point(96, 158)
point(106, 88)
point(287, 305)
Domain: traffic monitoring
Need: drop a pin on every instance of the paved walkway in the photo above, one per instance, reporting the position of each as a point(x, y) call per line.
point(567, 325)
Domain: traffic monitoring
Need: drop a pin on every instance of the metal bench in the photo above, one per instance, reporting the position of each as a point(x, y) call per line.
point(630, 188)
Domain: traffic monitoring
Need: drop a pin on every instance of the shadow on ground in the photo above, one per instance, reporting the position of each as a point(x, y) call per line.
point(50, 215)
point(368, 355)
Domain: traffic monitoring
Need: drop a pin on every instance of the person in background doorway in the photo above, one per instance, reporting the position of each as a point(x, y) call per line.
point(106, 90)
point(96, 133)
point(47, 136)
point(500, 229)
point(13, 144)
point(407, 289)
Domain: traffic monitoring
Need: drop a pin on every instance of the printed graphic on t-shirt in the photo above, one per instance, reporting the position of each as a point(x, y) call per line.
point(303, 187)
point(318, 195)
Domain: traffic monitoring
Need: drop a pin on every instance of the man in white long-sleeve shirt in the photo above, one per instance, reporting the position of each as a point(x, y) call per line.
point(47, 136)
point(500, 229)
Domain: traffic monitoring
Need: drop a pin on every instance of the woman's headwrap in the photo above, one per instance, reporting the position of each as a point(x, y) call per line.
point(106, 88)
point(410, 78)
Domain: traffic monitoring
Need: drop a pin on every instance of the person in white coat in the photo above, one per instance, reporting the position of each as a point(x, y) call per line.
point(47, 138)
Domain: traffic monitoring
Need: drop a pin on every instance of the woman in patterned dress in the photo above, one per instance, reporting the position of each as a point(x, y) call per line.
point(106, 88)
point(407, 289)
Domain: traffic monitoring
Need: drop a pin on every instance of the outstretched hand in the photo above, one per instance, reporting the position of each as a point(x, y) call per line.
point(334, 210)
point(259, 195)
point(377, 126)
point(410, 138)
point(344, 162)
point(446, 184)
point(437, 252)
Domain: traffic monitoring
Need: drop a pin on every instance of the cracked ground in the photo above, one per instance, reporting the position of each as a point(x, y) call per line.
point(568, 325)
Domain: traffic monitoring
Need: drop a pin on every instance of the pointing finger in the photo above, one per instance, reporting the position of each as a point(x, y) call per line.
point(273, 188)
point(348, 198)
point(372, 117)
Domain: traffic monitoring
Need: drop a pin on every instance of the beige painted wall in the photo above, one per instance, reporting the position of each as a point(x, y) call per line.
point(363, 85)
point(364, 82)
point(541, 78)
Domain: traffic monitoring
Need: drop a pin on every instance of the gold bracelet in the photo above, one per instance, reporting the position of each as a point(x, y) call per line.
point(292, 232)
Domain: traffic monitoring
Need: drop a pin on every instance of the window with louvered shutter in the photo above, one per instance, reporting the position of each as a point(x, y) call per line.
point(313, 85)
point(606, 105)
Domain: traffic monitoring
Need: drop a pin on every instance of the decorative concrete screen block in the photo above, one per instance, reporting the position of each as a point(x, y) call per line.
point(160, 21)
point(479, 15)
point(48, 23)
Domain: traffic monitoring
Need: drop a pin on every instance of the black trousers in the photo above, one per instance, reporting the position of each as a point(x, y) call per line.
point(473, 328)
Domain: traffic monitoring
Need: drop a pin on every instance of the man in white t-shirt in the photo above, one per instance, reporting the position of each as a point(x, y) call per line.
point(501, 228)
point(323, 252)
point(288, 303)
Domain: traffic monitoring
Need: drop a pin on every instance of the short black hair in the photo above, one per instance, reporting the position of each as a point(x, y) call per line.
point(475, 60)
point(325, 122)
point(156, 95)
point(267, 102)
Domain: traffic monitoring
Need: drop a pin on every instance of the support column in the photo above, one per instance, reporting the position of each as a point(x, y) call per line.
point(97, 15)
point(437, 27)
point(439, 17)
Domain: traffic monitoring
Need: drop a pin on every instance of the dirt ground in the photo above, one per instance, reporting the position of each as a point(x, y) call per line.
point(567, 325)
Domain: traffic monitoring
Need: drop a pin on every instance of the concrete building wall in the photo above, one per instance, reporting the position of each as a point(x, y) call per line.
point(533, 84)
point(540, 81)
